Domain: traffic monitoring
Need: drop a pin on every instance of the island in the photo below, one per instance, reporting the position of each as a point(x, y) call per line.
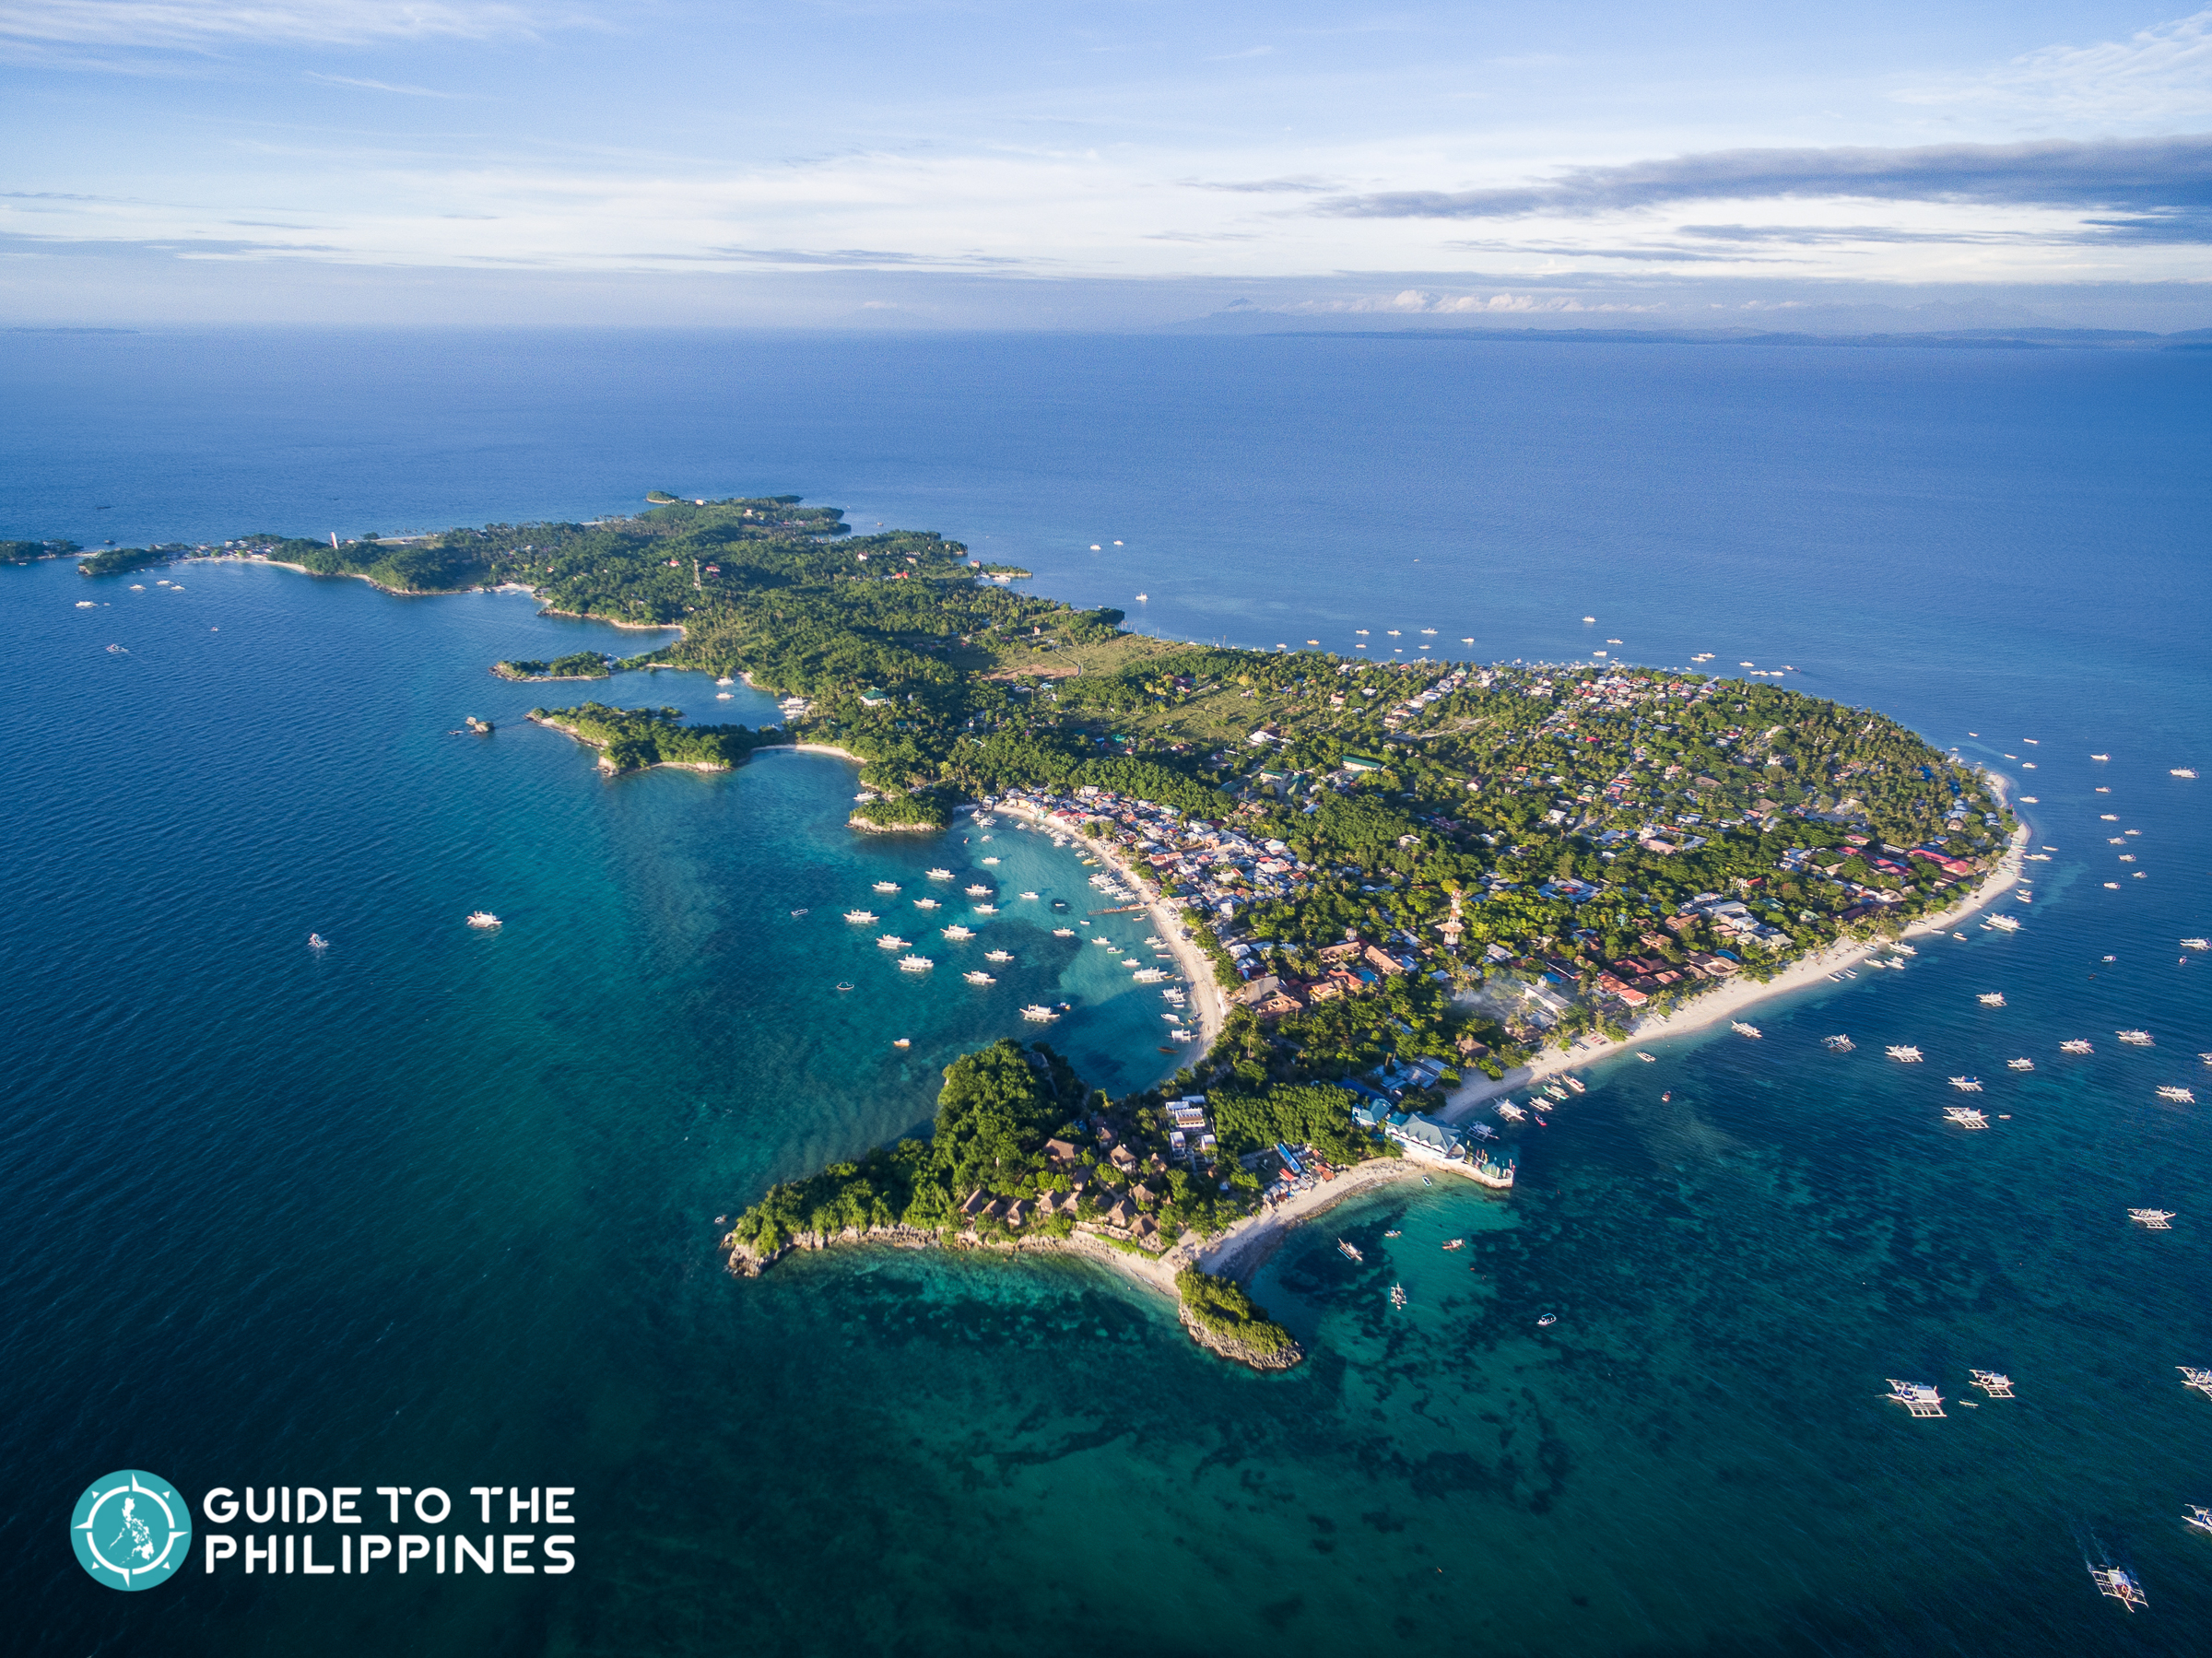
point(636, 739)
point(1393, 889)
point(577, 664)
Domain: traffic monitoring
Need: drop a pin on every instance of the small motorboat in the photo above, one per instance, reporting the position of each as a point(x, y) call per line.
point(315, 941)
point(1548, 1320)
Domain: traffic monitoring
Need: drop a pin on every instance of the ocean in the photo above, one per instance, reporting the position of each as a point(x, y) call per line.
point(438, 1207)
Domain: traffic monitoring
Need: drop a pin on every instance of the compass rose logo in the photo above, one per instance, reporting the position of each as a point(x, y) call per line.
point(132, 1529)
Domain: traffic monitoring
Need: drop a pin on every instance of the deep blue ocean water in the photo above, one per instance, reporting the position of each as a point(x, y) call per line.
point(438, 1207)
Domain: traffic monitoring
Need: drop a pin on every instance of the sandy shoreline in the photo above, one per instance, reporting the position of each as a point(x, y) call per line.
point(1245, 1247)
point(1167, 922)
point(1731, 998)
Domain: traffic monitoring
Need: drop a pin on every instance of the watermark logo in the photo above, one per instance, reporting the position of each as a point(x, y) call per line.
point(132, 1529)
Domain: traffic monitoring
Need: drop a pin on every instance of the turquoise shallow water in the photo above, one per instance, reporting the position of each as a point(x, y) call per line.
point(438, 1207)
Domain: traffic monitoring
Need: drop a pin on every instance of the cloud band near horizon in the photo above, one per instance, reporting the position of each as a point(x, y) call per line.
point(2164, 183)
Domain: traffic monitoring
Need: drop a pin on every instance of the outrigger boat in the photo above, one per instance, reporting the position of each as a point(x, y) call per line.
point(1904, 1054)
point(2155, 1220)
point(1967, 1085)
point(1991, 998)
point(1965, 1116)
point(1919, 1397)
point(979, 978)
point(2074, 1045)
point(2199, 1380)
point(2022, 1064)
point(1995, 1383)
point(2179, 1096)
point(2121, 1585)
point(860, 917)
point(1839, 1043)
point(2135, 1039)
point(1350, 1252)
point(1743, 1029)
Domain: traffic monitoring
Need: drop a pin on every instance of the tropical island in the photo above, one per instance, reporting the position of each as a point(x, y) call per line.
point(1392, 883)
point(577, 664)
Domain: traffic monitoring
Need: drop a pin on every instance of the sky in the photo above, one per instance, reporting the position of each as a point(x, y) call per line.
point(1127, 163)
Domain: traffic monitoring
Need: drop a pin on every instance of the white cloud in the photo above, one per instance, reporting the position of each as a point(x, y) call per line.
point(2158, 74)
point(1414, 301)
point(205, 22)
point(375, 86)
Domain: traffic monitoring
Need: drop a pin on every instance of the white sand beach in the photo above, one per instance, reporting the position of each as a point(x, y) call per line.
point(1731, 998)
point(1205, 997)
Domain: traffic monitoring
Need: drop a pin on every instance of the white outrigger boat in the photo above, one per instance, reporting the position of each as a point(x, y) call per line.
point(2004, 924)
point(1967, 1085)
point(1919, 1397)
point(1743, 1029)
point(889, 941)
point(886, 886)
point(2179, 1096)
point(2074, 1044)
point(2022, 1064)
point(1839, 1043)
point(1995, 1383)
point(1965, 1116)
point(938, 874)
point(956, 932)
point(860, 917)
point(2155, 1220)
point(1904, 1053)
point(915, 964)
point(2199, 1519)
point(979, 978)
point(978, 890)
point(1509, 1111)
point(998, 956)
point(2199, 1380)
point(1038, 1013)
point(928, 903)
point(1063, 932)
point(2120, 1585)
point(1350, 1252)
point(483, 920)
point(2135, 1039)
point(1991, 998)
